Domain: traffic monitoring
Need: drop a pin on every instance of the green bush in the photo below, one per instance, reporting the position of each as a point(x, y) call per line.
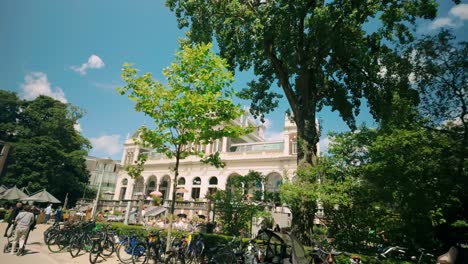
point(3, 212)
point(7, 214)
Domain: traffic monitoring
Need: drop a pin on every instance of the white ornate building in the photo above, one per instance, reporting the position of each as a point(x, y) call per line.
point(276, 160)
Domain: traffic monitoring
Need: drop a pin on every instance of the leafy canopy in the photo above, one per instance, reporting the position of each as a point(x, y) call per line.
point(318, 52)
point(194, 107)
point(46, 150)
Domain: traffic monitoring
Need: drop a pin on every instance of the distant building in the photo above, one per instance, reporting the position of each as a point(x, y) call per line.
point(275, 159)
point(107, 169)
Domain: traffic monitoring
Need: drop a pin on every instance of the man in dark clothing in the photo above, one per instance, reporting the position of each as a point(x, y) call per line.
point(11, 219)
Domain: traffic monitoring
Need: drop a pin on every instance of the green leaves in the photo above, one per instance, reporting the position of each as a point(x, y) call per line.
point(195, 107)
point(317, 52)
point(46, 151)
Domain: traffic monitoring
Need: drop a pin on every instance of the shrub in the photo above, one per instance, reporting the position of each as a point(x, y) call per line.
point(3, 212)
point(7, 214)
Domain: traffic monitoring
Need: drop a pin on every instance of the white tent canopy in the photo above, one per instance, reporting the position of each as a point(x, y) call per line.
point(13, 194)
point(42, 197)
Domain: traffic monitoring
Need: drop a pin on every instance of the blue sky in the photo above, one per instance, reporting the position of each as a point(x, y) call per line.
point(74, 51)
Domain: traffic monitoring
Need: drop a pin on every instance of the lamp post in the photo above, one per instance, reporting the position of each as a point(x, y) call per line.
point(104, 162)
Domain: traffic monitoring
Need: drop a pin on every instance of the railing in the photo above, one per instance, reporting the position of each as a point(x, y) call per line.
point(134, 203)
point(256, 147)
point(235, 149)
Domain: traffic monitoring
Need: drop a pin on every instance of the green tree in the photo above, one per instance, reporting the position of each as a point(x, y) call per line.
point(398, 180)
point(236, 205)
point(441, 78)
point(47, 152)
point(318, 52)
point(193, 108)
point(301, 197)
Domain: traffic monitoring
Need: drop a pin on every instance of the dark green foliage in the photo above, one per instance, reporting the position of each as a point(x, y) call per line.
point(317, 52)
point(401, 181)
point(3, 213)
point(46, 151)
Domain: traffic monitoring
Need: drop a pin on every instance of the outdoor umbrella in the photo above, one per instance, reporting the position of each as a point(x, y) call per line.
point(42, 197)
point(156, 193)
point(13, 194)
point(3, 189)
point(182, 190)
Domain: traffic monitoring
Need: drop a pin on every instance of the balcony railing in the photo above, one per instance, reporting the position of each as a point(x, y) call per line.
point(133, 203)
point(273, 146)
point(236, 149)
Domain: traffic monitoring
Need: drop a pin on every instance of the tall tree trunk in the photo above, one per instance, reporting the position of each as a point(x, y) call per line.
point(304, 117)
point(174, 193)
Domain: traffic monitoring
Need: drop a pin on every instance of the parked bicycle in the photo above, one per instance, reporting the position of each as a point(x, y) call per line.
point(124, 249)
point(151, 250)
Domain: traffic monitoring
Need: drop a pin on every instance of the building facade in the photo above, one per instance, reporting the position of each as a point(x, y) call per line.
point(275, 160)
point(103, 172)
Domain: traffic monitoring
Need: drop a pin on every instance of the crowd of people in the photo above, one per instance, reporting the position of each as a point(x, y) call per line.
point(23, 218)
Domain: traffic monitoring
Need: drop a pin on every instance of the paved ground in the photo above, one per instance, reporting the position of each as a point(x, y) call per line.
point(38, 253)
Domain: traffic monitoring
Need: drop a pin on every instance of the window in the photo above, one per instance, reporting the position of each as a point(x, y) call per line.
point(195, 193)
point(152, 184)
point(213, 181)
point(294, 147)
point(124, 182)
point(197, 181)
point(181, 181)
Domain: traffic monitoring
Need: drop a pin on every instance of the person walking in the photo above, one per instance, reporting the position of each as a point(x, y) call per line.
point(23, 222)
point(48, 212)
point(12, 217)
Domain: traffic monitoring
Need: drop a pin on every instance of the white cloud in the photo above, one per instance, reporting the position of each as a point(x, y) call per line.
point(36, 83)
point(94, 62)
point(460, 11)
point(107, 145)
point(442, 22)
point(455, 18)
point(77, 127)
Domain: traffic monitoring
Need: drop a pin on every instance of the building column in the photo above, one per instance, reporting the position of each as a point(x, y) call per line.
point(287, 144)
point(225, 145)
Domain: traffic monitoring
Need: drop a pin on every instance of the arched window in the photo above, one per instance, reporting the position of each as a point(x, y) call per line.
point(152, 184)
point(197, 181)
point(124, 182)
point(213, 181)
point(181, 181)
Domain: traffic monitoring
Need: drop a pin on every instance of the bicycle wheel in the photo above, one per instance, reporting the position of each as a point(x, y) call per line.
point(56, 243)
point(140, 253)
point(124, 252)
point(174, 258)
point(76, 246)
point(87, 242)
point(95, 251)
point(107, 247)
point(225, 257)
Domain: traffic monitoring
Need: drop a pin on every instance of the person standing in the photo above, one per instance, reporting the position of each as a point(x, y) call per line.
point(277, 228)
point(58, 215)
point(48, 211)
point(23, 222)
point(12, 217)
